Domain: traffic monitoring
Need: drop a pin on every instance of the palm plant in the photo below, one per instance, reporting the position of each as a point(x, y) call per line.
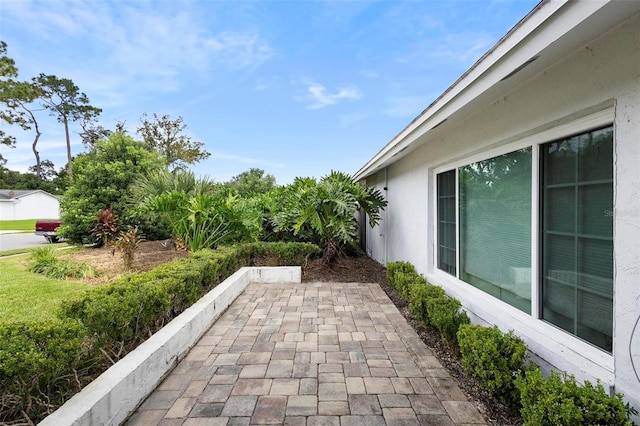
point(329, 208)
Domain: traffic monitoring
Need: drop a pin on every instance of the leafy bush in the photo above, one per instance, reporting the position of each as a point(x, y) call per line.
point(38, 362)
point(494, 358)
point(560, 400)
point(400, 276)
point(101, 179)
point(419, 293)
point(45, 261)
point(446, 315)
point(321, 212)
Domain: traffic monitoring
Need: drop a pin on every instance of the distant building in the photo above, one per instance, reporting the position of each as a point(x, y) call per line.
point(518, 190)
point(28, 204)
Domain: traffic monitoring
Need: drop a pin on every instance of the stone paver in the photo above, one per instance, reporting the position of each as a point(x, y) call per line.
point(309, 354)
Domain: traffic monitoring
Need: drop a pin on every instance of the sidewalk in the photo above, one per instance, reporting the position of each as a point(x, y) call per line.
point(309, 354)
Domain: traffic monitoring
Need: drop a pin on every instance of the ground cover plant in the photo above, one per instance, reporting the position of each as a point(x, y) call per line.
point(45, 261)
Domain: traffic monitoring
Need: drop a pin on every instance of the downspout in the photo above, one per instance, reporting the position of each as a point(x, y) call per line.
point(386, 215)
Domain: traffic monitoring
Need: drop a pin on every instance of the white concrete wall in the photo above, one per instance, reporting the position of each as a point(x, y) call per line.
point(375, 246)
point(603, 76)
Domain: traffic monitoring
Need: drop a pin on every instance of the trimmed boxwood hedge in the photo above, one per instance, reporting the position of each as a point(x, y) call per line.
point(42, 365)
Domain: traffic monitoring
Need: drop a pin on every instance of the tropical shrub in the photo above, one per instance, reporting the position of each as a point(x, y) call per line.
point(494, 358)
point(107, 226)
point(324, 212)
point(127, 243)
point(199, 213)
point(560, 400)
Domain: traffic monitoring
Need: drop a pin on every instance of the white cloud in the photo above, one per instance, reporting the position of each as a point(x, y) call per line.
point(319, 97)
point(142, 38)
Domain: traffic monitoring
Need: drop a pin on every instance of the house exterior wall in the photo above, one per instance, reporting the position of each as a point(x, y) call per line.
point(596, 85)
point(6, 210)
point(37, 205)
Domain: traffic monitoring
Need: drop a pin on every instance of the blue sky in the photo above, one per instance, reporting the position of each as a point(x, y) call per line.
point(296, 88)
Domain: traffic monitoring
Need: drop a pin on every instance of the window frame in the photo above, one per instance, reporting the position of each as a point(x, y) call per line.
point(563, 128)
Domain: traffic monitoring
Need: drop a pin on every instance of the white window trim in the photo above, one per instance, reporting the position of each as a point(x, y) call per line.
point(556, 343)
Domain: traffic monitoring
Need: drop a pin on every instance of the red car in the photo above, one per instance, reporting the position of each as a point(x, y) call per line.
point(47, 228)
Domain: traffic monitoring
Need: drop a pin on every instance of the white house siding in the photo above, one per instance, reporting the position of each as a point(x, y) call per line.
point(598, 83)
point(36, 205)
point(375, 246)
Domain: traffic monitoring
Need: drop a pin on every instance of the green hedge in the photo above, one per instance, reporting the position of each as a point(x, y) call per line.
point(419, 294)
point(494, 358)
point(39, 363)
point(446, 314)
point(428, 303)
point(560, 400)
point(401, 275)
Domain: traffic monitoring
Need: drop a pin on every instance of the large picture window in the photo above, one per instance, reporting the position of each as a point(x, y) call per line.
point(495, 227)
point(577, 235)
point(490, 240)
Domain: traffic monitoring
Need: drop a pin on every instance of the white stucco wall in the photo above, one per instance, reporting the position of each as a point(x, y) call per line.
point(601, 79)
point(37, 205)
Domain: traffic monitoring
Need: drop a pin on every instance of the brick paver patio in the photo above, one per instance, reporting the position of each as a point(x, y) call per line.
point(309, 354)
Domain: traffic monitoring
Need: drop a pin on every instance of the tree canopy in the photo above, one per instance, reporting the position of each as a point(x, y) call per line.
point(252, 182)
point(166, 137)
point(65, 102)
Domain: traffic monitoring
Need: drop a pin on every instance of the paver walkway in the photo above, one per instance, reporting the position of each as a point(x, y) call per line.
point(309, 354)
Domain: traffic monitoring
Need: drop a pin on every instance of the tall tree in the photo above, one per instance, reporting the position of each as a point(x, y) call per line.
point(17, 98)
point(165, 136)
point(65, 101)
point(252, 182)
point(20, 98)
point(8, 71)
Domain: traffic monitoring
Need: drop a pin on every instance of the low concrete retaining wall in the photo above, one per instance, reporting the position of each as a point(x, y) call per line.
point(116, 393)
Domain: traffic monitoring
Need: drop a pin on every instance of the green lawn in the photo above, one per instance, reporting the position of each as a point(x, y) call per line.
point(28, 296)
point(18, 225)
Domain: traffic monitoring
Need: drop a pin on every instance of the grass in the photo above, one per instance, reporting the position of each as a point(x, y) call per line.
point(19, 225)
point(28, 296)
